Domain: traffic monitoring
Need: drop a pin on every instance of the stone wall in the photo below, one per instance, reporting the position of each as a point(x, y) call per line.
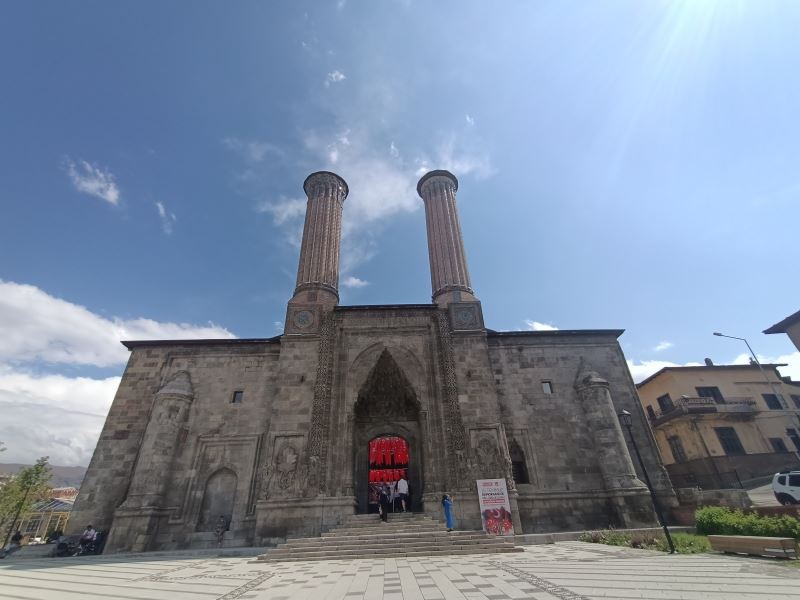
point(290, 458)
point(216, 435)
point(567, 488)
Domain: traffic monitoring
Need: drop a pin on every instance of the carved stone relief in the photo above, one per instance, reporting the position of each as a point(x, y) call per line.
point(283, 473)
point(454, 425)
point(320, 413)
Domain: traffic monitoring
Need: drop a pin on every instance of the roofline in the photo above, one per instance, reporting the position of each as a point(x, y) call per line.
point(354, 307)
point(782, 326)
point(131, 344)
point(557, 332)
point(773, 366)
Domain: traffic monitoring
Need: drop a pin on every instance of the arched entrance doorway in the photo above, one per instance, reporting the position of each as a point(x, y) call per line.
point(387, 434)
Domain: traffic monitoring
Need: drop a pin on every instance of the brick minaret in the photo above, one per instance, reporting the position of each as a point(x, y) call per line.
point(318, 270)
point(449, 274)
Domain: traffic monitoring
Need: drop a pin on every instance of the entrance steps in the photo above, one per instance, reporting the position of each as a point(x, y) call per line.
point(405, 534)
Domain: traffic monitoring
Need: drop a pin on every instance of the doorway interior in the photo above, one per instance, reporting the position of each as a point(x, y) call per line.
point(388, 462)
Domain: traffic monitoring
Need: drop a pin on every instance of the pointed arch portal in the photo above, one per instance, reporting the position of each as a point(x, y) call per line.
point(387, 441)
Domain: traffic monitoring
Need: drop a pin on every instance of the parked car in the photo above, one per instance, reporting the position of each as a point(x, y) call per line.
point(786, 487)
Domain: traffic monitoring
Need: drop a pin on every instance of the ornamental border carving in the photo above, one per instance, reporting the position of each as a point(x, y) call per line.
point(317, 453)
point(454, 424)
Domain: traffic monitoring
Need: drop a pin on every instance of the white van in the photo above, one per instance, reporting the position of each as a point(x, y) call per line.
point(786, 487)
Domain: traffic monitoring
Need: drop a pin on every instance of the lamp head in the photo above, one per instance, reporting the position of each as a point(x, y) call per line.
point(717, 333)
point(625, 418)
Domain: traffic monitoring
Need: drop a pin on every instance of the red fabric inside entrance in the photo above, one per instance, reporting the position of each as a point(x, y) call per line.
point(388, 459)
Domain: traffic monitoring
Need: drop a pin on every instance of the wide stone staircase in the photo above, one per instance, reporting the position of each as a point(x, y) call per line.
point(405, 534)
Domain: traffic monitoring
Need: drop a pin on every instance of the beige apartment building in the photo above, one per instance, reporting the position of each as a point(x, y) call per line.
point(717, 426)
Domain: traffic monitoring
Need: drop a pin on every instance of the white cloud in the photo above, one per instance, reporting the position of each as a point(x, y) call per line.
point(792, 359)
point(284, 209)
point(393, 151)
point(93, 180)
point(167, 218)
point(354, 282)
point(253, 151)
point(52, 415)
point(334, 77)
point(38, 326)
point(664, 345)
point(469, 119)
point(537, 326)
point(645, 368)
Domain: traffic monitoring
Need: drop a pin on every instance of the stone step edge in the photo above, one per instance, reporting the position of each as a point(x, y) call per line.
point(364, 556)
point(389, 542)
point(311, 548)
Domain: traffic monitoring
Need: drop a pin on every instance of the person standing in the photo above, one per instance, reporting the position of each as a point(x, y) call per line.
point(447, 506)
point(402, 492)
point(220, 529)
point(384, 503)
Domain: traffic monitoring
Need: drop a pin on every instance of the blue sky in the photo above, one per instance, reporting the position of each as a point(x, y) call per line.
point(622, 164)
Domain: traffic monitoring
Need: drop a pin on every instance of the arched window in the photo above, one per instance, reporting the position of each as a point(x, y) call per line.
point(218, 499)
point(519, 466)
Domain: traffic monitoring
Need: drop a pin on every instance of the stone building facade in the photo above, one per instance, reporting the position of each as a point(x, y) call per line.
point(273, 433)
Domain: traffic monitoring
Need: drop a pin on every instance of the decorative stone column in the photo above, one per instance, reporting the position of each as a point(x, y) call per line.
point(317, 286)
point(449, 275)
point(612, 453)
point(628, 495)
point(136, 520)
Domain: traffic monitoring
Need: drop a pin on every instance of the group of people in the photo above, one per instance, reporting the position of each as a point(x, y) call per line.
point(401, 489)
point(387, 494)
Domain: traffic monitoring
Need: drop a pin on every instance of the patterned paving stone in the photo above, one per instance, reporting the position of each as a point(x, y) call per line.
point(568, 571)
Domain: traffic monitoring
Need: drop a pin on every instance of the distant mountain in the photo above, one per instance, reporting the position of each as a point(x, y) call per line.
point(62, 476)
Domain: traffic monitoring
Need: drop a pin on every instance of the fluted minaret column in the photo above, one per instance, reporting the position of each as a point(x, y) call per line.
point(449, 275)
point(317, 289)
point(318, 270)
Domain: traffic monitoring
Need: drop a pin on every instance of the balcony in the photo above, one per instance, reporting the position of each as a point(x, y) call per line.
point(694, 405)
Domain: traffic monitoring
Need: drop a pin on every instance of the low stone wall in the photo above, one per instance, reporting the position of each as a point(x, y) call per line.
point(531, 539)
point(692, 498)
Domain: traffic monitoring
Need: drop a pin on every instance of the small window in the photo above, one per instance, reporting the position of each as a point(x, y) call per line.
point(547, 387)
point(778, 445)
point(665, 403)
point(711, 392)
point(676, 446)
point(782, 480)
point(238, 396)
point(792, 433)
point(729, 441)
point(796, 400)
point(772, 401)
point(794, 480)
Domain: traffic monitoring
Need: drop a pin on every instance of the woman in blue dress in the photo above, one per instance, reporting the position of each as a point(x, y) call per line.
point(447, 505)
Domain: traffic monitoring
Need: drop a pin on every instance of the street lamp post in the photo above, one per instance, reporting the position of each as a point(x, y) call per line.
point(626, 419)
point(778, 396)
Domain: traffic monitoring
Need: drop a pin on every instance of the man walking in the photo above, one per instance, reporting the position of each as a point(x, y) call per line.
point(402, 491)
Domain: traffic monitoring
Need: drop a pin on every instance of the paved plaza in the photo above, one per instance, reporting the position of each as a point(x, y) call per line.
point(564, 571)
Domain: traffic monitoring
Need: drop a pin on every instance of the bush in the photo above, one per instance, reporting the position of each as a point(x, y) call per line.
point(685, 543)
point(720, 520)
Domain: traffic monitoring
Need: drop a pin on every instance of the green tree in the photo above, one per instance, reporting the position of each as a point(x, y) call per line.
point(19, 494)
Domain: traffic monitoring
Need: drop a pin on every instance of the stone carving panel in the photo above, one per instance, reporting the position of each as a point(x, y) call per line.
point(454, 425)
point(283, 473)
point(320, 411)
point(465, 316)
point(302, 319)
